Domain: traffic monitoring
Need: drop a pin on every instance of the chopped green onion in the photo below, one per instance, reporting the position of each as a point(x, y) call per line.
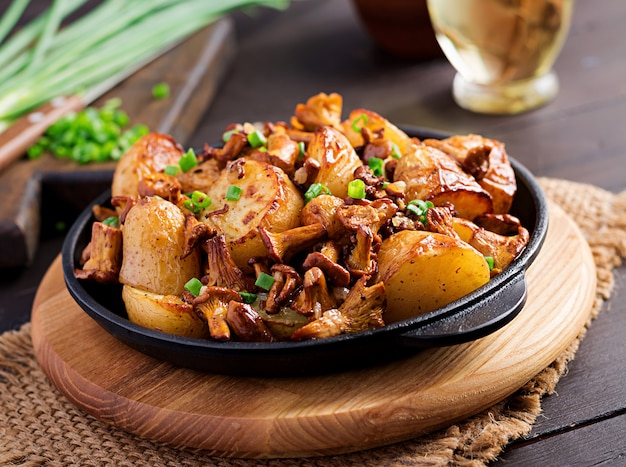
point(91, 135)
point(419, 208)
point(188, 161)
point(355, 123)
point(301, 150)
point(161, 91)
point(257, 139)
point(356, 189)
point(248, 297)
point(376, 165)
point(171, 170)
point(395, 151)
point(233, 193)
point(314, 191)
point(192, 207)
point(226, 136)
point(193, 285)
point(111, 221)
point(490, 262)
point(200, 200)
point(264, 281)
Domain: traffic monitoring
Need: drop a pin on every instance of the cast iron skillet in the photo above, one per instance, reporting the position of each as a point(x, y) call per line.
point(471, 317)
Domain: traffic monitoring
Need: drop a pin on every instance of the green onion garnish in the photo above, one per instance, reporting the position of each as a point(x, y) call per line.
point(248, 297)
point(356, 189)
point(301, 150)
point(376, 165)
point(419, 208)
point(227, 134)
point(233, 193)
point(161, 91)
point(314, 191)
point(193, 285)
point(200, 199)
point(395, 151)
point(171, 170)
point(355, 123)
point(257, 139)
point(111, 221)
point(264, 281)
point(188, 161)
point(490, 262)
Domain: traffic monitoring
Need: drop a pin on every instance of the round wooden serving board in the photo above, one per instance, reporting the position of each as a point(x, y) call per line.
point(290, 417)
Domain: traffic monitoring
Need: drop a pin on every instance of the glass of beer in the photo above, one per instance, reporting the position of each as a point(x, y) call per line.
point(503, 50)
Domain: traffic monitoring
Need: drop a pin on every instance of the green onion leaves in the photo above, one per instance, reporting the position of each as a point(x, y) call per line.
point(233, 193)
point(111, 221)
point(188, 161)
point(356, 189)
point(197, 202)
point(264, 281)
point(257, 139)
point(377, 166)
point(161, 91)
point(419, 208)
point(193, 285)
point(361, 119)
point(314, 191)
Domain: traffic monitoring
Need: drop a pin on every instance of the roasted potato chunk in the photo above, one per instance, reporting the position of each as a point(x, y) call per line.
point(167, 313)
point(423, 271)
point(152, 251)
point(376, 124)
point(337, 160)
point(499, 177)
point(267, 199)
point(150, 154)
point(432, 175)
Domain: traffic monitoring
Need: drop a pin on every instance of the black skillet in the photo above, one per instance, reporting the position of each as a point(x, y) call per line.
point(476, 315)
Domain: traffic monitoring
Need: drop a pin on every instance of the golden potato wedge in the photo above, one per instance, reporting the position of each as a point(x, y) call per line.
point(499, 179)
point(423, 271)
point(363, 118)
point(154, 239)
point(336, 158)
point(268, 199)
point(150, 154)
point(167, 313)
point(432, 175)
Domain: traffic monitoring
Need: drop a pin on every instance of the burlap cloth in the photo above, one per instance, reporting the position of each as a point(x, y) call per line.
point(38, 426)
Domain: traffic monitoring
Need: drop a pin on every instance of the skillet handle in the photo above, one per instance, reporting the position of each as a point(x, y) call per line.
point(476, 320)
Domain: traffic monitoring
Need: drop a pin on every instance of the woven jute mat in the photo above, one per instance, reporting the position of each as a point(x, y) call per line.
point(39, 427)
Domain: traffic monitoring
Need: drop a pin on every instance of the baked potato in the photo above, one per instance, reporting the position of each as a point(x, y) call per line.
point(267, 198)
point(152, 250)
point(337, 160)
point(423, 271)
point(432, 175)
point(150, 154)
point(498, 177)
point(167, 313)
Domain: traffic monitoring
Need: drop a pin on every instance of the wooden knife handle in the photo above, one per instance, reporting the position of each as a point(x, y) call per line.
point(26, 130)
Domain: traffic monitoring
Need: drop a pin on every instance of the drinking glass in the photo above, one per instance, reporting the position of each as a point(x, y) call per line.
point(503, 50)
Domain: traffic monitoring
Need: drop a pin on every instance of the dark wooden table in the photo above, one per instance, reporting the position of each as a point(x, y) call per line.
point(283, 58)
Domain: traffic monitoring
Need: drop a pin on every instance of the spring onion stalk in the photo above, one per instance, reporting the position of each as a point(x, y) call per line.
point(47, 58)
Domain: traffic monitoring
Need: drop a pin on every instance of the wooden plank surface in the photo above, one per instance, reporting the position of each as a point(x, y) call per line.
point(351, 411)
point(193, 70)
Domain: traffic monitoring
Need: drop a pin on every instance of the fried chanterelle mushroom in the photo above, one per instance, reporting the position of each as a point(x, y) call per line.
point(305, 229)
